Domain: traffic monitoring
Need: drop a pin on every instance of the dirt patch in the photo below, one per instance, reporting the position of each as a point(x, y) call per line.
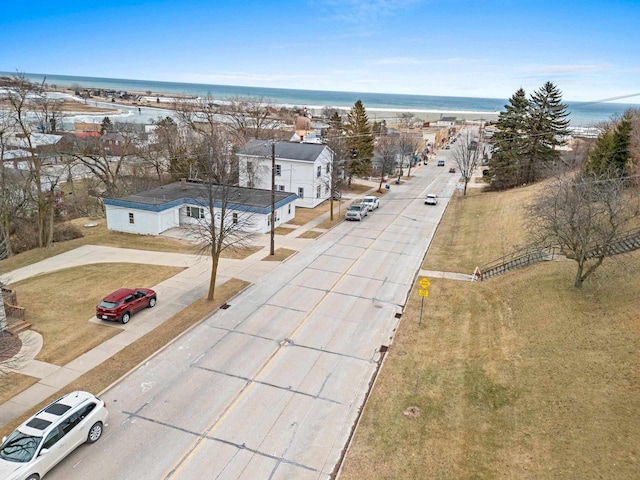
point(310, 234)
point(279, 255)
point(412, 412)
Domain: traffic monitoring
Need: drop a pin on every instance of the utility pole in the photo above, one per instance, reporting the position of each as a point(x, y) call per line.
point(273, 197)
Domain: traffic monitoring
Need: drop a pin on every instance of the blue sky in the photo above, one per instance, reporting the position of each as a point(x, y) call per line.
point(589, 49)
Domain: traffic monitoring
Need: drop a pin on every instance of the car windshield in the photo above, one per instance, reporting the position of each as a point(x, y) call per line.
point(19, 447)
point(105, 304)
point(355, 207)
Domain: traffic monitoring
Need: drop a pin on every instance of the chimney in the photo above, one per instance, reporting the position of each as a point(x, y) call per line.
point(183, 183)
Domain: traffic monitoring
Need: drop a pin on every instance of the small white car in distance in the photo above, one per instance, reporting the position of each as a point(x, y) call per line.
point(372, 202)
point(45, 439)
point(431, 199)
point(356, 212)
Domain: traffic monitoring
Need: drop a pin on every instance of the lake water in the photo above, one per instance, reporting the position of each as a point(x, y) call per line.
point(378, 105)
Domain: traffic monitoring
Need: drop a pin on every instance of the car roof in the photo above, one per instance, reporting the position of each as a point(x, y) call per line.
point(119, 295)
point(431, 195)
point(38, 424)
point(370, 197)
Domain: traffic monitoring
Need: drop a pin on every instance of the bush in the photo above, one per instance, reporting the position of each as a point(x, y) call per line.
point(66, 231)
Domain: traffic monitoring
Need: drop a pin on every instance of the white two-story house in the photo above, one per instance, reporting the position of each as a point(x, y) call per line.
point(300, 168)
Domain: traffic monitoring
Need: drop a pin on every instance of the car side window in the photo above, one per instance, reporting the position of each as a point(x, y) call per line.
point(52, 438)
point(71, 422)
point(139, 294)
point(130, 298)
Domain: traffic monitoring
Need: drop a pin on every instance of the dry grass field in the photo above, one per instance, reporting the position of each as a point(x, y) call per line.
point(522, 376)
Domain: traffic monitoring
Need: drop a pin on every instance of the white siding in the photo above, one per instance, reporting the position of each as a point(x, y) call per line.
point(145, 223)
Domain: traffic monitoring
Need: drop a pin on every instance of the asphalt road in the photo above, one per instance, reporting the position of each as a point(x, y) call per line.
point(271, 387)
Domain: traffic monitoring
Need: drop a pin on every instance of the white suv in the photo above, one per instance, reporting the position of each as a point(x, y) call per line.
point(372, 202)
point(431, 199)
point(40, 443)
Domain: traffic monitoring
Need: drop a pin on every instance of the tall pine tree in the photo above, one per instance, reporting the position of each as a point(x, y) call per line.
point(359, 141)
point(548, 127)
point(509, 142)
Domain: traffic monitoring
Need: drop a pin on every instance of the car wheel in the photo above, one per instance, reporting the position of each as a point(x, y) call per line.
point(33, 477)
point(126, 316)
point(152, 302)
point(95, 432)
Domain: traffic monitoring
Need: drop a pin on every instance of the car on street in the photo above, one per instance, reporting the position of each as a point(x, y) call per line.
point(431, 199)
point(452, 170)
point(441, 163)
point(356, 211)
point(372, 202)
point(43, 440)
point(120, 305)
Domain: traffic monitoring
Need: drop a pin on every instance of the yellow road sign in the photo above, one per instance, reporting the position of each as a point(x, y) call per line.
point(423, 292)
point(424, 282)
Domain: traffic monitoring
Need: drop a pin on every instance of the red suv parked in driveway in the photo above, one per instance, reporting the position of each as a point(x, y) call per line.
point(121, 304)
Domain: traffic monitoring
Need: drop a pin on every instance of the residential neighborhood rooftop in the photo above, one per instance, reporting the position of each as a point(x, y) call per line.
point(251, 197)
point(307, 152)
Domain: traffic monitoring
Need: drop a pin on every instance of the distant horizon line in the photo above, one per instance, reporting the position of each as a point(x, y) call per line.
point(610, 100)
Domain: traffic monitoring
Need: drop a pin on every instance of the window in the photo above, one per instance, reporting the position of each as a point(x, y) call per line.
point(319, 171)
point(131, 220)
point(328, 168)
point(300, 192)
point(52, 438)
point(280, 188)
point(289, 208)
point(235, 217)
point(278, 170)
point(249, 167)
point(195, 212)
point(326, 189)
point(318, 189)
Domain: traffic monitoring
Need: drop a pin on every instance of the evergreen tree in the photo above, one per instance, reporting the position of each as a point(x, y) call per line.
point(106, 126)
point(611, 153)
point(509, 142)
point(548, 127)
point(359, 141)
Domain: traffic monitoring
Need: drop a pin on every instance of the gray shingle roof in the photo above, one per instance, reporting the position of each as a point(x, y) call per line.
point(250, 197)
point(307, 152)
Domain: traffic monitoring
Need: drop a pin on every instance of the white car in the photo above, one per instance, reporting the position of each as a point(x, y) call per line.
point(431, 199)
point(372, 202)
point(41, 442)
point(356, 212)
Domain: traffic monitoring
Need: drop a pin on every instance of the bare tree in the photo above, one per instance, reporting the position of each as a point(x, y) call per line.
point(407, 147)
point(245, 118)
point(387, 153)
point(585, 217)
point(466, 154)
point(32, 112)
point(218, 226)
point(339, 154)
point(105, 156)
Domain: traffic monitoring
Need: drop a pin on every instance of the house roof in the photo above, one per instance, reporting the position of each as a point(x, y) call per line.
point(307, 152)
point(195, 193)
